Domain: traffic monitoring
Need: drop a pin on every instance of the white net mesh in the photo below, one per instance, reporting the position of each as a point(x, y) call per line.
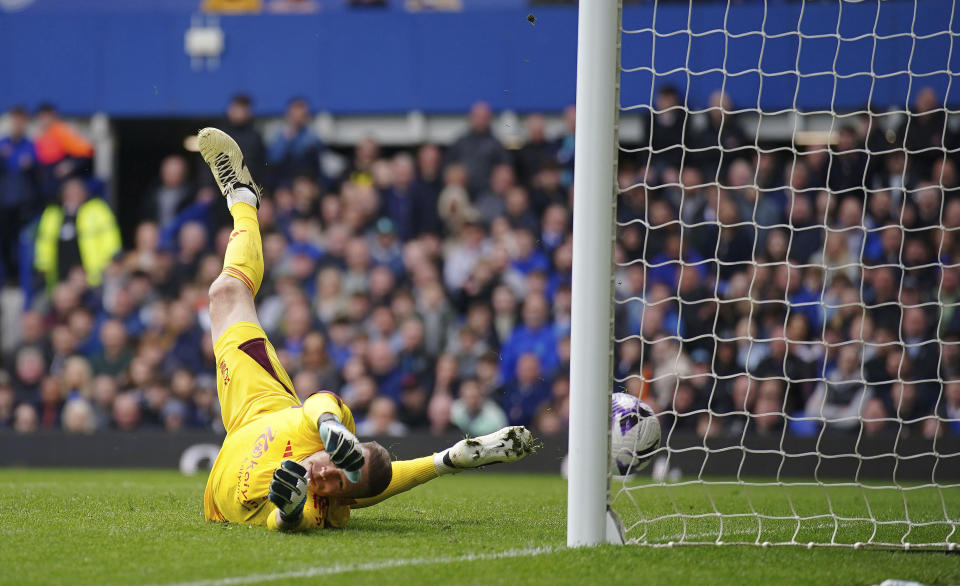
point(787, 271)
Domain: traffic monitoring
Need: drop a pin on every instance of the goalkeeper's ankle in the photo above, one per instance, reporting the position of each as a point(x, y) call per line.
point(242, 194)
point(443, 463)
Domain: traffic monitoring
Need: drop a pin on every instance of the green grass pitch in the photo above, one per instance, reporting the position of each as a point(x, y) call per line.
point(145, 527)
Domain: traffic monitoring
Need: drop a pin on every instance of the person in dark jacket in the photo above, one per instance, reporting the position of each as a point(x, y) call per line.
point(723, 138)
point(478, 150)
point(667, 129)
point(240, 127)
point(170, 195)
point(426, 191)
point(537, 152)
point(921, 133)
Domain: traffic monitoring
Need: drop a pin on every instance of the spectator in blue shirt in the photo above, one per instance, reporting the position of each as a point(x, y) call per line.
point(533, 336)
point(524, 395)
point(385, 370)
point(528, 258)
point(397, 201)
point(665, 267)
point(186, 335)
point(18, 164)
point(338, 346)
point(384, 246)
point(295, 150)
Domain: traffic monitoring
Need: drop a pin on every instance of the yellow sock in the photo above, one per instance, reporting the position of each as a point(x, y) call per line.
point(406, 475)
point(244, 257)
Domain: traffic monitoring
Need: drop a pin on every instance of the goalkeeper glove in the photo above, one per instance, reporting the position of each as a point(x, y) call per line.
point(289, 490)
point(343, 447)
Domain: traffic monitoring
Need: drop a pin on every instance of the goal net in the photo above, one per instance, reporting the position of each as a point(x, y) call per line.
point(786, 271)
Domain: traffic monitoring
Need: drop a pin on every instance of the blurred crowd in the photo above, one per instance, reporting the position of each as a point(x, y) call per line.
point(799, 286)
point(759, 288)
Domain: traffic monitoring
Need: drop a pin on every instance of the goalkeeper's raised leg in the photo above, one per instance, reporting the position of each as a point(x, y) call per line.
point(232, 294)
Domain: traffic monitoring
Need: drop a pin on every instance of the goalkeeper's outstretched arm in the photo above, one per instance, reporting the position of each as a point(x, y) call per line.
point(506, 445)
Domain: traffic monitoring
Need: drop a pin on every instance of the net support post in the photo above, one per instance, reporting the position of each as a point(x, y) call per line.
point(593, 216)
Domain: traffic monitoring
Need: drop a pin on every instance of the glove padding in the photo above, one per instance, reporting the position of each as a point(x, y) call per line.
point(343, 447)
point(289, 490)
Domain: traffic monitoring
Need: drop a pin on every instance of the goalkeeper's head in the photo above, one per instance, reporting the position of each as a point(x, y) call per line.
point(326, 479)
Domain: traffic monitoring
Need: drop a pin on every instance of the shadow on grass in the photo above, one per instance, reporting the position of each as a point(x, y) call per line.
point(394, 526)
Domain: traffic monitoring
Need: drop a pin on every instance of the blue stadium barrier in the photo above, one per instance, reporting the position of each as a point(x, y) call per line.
point(131, 62)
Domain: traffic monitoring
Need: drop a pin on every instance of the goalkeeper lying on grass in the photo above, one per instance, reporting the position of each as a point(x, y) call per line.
point(287, 464)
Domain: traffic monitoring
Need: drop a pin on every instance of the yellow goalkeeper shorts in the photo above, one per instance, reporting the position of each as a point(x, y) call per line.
point(250, 380)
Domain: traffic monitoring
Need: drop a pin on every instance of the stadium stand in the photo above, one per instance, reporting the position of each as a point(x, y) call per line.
point(431, 287)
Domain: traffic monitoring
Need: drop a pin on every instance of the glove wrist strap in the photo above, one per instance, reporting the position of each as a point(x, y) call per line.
point(294, 517)
point(327, 418)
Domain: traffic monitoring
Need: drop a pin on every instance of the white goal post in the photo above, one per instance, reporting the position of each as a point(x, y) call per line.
point(591, 313)
point(781, 279)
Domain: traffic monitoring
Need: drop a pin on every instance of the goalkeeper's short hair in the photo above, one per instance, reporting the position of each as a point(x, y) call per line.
point(379, 468)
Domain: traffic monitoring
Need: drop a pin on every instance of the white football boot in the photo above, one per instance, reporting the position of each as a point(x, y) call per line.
point(225, 159)
point(506, 445)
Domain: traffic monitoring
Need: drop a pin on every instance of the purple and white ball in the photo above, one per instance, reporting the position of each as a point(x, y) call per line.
point(634, 434)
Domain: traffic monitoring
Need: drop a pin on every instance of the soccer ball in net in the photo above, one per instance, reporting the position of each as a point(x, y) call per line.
point(634, 434)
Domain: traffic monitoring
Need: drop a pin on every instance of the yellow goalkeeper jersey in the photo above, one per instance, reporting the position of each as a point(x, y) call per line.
point(266, 424)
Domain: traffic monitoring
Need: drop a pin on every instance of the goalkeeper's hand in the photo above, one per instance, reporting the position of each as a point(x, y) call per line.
point(289, 490)
point(343, 447)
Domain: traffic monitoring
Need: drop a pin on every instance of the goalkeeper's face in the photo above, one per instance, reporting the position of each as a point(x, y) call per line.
point(326, 479)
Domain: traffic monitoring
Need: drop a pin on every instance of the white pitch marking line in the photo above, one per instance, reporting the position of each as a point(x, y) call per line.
point(368, 567)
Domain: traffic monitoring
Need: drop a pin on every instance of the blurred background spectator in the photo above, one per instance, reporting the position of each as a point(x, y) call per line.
point(19, 188)
point(78, 233)
point(295, 149)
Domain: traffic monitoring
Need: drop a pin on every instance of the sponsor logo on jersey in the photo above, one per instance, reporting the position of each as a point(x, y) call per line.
point(243, 486)
point(224, 371)
point(262, 444)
